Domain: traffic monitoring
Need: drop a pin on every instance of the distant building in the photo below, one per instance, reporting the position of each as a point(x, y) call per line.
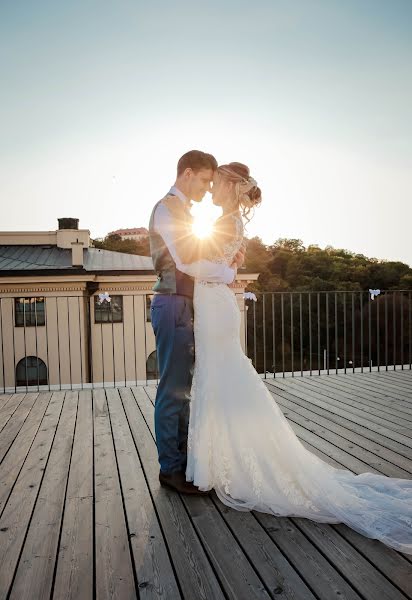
point(74, 316)
point(136, 234)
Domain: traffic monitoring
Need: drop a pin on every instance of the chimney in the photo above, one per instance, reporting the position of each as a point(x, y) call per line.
point(68, 223)
point(69, 236)
point(77, 253)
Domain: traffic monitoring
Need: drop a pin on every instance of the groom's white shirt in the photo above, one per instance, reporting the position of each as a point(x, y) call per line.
point(204, 270)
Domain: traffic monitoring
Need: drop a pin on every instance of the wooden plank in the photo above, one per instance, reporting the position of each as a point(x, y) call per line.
point(351, 462)
point(322, 455)
point(18, 510)
point(4, 398)
point(194, 572)
point(12, 463)
point(323, 409)
point(364, 577)
point(34, 574)
point(9, 408)
point(74, 572)
point(365, 385)
point(401, 377)
point(348, 412)
point(384, 383)
point(280, 577)
point(343, 438)
point(384, 403)
point(114, 571)
point(14, 424)
point(381, 387)
point(154, 571)
point(388, 401)
point(374, 414)
point(322, 578)
point(391, 563)
point(146, 408)
point(151, 392)
point(233, 569)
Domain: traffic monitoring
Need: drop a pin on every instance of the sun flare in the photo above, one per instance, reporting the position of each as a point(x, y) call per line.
point(204, 216)
point(201, 228)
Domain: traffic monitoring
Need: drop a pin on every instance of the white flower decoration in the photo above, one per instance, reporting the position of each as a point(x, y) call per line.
point(104, 297)
point(250, 296)
point(374, 293)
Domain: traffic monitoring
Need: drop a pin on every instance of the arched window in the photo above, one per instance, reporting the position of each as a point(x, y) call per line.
point(31, 371)
point(152, 370)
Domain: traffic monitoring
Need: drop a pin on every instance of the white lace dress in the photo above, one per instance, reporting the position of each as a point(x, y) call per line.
point(241, 445)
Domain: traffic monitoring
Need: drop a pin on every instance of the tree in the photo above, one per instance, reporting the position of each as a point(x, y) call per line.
point(115, 243)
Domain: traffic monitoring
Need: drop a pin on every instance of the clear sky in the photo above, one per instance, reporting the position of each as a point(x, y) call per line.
point(99, 98)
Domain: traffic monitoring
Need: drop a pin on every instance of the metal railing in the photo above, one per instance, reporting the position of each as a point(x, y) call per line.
point(56, 342)
point(67, 342)
point(327, 332)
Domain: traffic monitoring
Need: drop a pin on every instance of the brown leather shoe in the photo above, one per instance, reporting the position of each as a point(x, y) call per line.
point(177, 481)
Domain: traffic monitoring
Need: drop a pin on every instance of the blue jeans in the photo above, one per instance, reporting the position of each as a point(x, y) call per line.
point(172, 321)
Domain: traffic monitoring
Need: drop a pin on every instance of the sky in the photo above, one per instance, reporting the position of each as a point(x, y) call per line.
point(99, 99)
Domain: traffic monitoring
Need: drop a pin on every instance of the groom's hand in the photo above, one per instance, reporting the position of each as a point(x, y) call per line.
point(234, 267)
point(239, 259)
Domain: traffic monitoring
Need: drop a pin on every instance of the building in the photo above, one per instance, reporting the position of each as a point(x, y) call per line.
point(76, 316)
point(136, 234)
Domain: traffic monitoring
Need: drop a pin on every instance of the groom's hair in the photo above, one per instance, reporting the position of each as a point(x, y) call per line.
point(196, 160)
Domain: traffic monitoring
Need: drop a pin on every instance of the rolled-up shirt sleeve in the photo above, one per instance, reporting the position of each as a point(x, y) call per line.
point(204, 270)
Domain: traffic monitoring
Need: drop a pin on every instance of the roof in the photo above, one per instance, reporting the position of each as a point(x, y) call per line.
point(134, 231)
point(26, 259)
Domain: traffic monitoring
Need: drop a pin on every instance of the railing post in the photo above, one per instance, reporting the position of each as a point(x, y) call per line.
point(327, 332)
point(283, 331)
point(318, 311)
point(273, 336)
point(292, 346)
point(264, 333)
point(310, 331)
point(2, 344)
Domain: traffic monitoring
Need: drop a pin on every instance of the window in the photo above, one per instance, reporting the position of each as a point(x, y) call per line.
point(152, 371)
point(29, 312)
point(31, 370)
point(109, 310)
point(149, 298)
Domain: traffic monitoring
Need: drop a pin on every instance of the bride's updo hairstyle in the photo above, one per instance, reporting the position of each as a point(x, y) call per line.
point(247, 194)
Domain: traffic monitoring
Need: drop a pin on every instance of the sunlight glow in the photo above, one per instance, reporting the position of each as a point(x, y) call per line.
point(204, 216)
point(202, 229)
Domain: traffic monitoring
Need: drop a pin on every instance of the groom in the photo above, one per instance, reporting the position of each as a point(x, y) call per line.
point(174, 251)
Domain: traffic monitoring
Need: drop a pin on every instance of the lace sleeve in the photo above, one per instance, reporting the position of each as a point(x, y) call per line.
point(226, 240)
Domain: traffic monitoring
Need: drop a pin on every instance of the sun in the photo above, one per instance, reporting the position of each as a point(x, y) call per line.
point(202, 229)
point(204, 216)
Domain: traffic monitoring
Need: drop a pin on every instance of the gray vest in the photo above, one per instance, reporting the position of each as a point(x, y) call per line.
point(169, 279)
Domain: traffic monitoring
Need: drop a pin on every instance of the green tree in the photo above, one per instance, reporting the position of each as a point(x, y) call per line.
point(116, 244)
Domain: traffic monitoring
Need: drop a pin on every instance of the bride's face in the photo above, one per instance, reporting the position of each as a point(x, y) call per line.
point(222, 190)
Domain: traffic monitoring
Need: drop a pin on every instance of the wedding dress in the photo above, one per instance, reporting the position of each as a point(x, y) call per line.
point(241, 444)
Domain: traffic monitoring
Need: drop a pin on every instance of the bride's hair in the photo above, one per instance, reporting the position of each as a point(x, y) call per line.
point(246, 191)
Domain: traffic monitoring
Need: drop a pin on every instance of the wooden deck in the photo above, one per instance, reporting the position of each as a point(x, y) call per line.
point(83, 515)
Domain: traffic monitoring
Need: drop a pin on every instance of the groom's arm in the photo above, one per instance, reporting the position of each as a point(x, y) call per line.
point(200, 269)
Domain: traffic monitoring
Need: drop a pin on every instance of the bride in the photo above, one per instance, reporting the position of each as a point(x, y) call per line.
point(240, 443)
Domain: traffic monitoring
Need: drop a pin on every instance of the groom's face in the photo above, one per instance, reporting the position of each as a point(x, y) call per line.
point(199, 183)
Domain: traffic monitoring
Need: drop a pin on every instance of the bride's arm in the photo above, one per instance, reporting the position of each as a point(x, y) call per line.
point(206, 270)
point(184, 250)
